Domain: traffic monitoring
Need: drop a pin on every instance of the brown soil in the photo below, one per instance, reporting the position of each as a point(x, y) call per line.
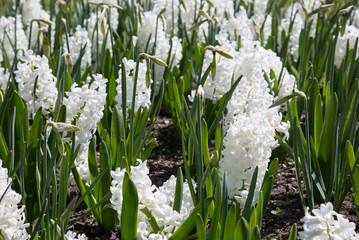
point(164, 161)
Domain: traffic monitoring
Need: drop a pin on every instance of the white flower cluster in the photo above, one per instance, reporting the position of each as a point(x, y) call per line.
point(4, 78)
point(296, 12)
point(260, 17)
point(86, 105)
point(74, 236)
point(250, 126)
point(94, 32)
point(158, 200)
point(147, 34)
point(77, 42)
point(32, 9)
point(114, 11)
point(324, 223)
point(351, 34)
point(7, 37)
point(12, 218)
point(143, 93)
point(236, 26)
point(34, 69)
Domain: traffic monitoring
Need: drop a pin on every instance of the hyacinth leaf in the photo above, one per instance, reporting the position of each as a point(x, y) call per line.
point(108, 216)
point(230, 225)
point(247, 206)
point(148, 149)
point(272, 170)
point(212, 163)
point(318, 122)
point(253, 218)
point(65, 216)
point(3, 147)
point(214, 230)
point(256, 234)
point(293, 232)
point(129, 212)
point(264, 197)
point(201, 229)
point(242, 229)
point(353, 171)
point(205, 148)
point(177, 202)
point(151, 219)
point(287, 98)
point(92, 163)
point(327, 145)
point(111, 89)
point(188, 225)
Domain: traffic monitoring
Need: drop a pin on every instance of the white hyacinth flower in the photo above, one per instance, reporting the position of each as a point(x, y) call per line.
point(74, 236)
point(86, 105)
point(78, 41)
point(32, 9)
point(143, 93)
point(4, 78)
point(158, 200)
point(12, 218)
point(7, 37)
point(350, 35)
point(250, 125)
point(94, 33)
point(324, 223)
point(31, 70)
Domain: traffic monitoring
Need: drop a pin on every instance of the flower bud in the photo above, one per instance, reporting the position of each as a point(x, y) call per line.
point(63, 127)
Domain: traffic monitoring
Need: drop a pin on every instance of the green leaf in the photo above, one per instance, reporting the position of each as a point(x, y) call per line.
point(92, 163)
point(354, 172)
point(188, 225)
point(214, 230)
point(256, 234)
point(293, 232)
point(147, 151)
point(177, 203)
point(247, 206)
point(151, 219)
point(242, 230)
point(229, 228)
point(205, 148)
point(201, 229)
point(129, 212)
point(287, 98)
point(108, 216)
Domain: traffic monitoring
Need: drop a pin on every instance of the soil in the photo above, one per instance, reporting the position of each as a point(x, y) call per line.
point(284, 208)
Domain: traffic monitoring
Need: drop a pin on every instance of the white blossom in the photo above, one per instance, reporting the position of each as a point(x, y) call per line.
point(95, 35)
point(74, 236)
point(143, 93)
point(249, 124)
point(7, 37)
point(78, 41)
point(350, 36)
point(12, 218)
point(35, 69)
point(32, 9)
point(324, 223)
point(158, 200)
point(4, 78)
point(86, 105)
